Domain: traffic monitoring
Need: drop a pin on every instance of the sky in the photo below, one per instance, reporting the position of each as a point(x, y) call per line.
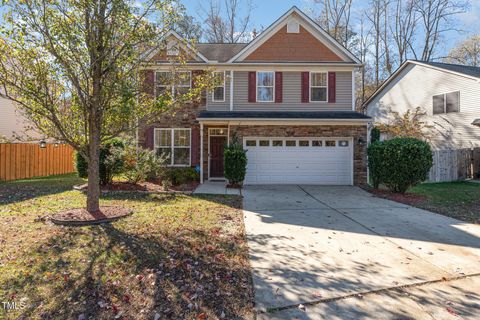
point(265, 12)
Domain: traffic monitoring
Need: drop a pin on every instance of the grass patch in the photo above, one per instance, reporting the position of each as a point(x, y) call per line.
point(177, 256)
point(460, 200)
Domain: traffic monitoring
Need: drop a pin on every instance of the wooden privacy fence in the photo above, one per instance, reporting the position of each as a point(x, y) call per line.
point(453, 165)
point(27, 160)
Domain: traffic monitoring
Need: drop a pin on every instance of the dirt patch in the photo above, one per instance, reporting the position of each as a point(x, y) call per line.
point(407, 198)
point(81, 217)
point(154, 186)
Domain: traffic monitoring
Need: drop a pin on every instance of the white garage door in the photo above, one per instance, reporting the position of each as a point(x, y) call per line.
point(299, 160)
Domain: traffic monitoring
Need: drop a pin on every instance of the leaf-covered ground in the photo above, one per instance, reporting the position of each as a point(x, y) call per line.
point(176, 257)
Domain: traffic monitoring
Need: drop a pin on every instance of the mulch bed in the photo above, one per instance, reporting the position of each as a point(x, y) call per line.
point(154, 186)
point(407, 198)
point(81, 217)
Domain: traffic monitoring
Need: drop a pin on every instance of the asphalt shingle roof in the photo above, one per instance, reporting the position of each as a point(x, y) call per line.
point(467, 70)
point(220, 52)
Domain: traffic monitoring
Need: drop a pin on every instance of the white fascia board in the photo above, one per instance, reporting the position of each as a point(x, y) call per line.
point(273, 121)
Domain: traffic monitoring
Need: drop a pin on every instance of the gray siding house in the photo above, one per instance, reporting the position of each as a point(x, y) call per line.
point(291, 107)
point(448, 93)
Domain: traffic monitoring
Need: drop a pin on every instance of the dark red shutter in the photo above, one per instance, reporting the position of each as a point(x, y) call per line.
point(149, 144)
point(332, 84)
point(252, 86)
point(305, 86)
point(148, 79)
point(278, 86)
point(195, 146)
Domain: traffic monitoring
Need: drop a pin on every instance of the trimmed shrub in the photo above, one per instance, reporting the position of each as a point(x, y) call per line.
point(179, 176)
point(235, 162)
point(374, 135)
point(400, 163)
point(106, 171)
point(81, 165)
point(375, 163)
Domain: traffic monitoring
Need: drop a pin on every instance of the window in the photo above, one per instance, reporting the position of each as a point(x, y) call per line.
point(343, 143)
point(304, 143)
point(317, 143)
point(219, 89)
point(318, 86)
point(446, 103)
point(167, 82)
point(330, 143)
point(251, 143)
point(265, 86)
point(174, 145)
point(291, 143)
point(264, 143)
point(277, 143)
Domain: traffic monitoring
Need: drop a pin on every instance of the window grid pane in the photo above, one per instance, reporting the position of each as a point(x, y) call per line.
point(265, 86)
point(439, 104)
point(452, 102)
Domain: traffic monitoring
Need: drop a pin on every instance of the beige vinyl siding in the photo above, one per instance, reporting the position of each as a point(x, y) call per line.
point(415, 86)
point(12, 123)
point(292, 95)
point(220, 106)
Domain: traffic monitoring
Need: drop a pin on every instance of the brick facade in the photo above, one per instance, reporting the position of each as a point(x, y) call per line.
point(357, 132)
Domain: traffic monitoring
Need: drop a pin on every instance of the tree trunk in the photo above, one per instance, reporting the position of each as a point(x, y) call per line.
point(93, 193)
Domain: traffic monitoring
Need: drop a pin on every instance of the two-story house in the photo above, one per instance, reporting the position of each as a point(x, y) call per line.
point(288, 96)
point(448, 94)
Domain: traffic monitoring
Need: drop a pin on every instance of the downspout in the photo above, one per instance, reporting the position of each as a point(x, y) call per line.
point(201, 152)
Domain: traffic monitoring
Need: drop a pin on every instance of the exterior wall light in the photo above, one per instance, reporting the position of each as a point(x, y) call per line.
point(43, 144)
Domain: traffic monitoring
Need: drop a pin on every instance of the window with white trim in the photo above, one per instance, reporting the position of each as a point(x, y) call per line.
point(446, 102)
point(318, 86)
point(172, 83)
point(174, 145)
point(218, 94)
point(265, 86)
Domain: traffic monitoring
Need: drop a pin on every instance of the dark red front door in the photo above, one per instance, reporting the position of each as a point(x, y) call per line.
point(216, 156)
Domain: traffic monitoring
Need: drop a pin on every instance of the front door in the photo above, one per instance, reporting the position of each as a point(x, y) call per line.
point(217, 143)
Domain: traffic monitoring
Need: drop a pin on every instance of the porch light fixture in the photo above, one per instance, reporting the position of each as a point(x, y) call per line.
point(361, 141)
point(476, 122)
point(43, 144)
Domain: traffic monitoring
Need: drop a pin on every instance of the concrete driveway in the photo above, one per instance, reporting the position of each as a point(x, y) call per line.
point(338, 252)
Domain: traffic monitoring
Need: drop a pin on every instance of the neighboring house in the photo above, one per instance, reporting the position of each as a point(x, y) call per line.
point(13, 126)
point(448, 93)
point(288, 96)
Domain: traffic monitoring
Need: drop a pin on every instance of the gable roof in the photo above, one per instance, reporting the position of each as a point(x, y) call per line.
point(331, 42)
point(220, 52)
point(458, 69)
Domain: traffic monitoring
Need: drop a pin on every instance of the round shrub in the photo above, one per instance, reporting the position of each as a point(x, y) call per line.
point(400, 163)
point(106, 170)
point(235, 162)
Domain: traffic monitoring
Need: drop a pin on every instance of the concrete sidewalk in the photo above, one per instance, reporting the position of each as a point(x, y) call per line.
point(313, 243)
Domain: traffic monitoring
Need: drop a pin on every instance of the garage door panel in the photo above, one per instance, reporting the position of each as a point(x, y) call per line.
point(299, 165)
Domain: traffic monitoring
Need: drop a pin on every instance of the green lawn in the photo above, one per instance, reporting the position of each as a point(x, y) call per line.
point(459, 200)
point(180, 257)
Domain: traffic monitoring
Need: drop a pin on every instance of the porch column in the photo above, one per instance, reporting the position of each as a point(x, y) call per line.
point(201, 152)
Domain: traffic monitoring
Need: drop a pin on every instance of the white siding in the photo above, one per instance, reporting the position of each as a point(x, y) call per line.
point(12, 123)
point(414, 87)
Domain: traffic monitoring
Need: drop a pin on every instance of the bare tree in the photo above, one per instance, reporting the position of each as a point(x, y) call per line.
point(375, 14)
point(335, 18)
point(436, 18)
point(403, 27)
point(229, 23)
point(466, 52)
